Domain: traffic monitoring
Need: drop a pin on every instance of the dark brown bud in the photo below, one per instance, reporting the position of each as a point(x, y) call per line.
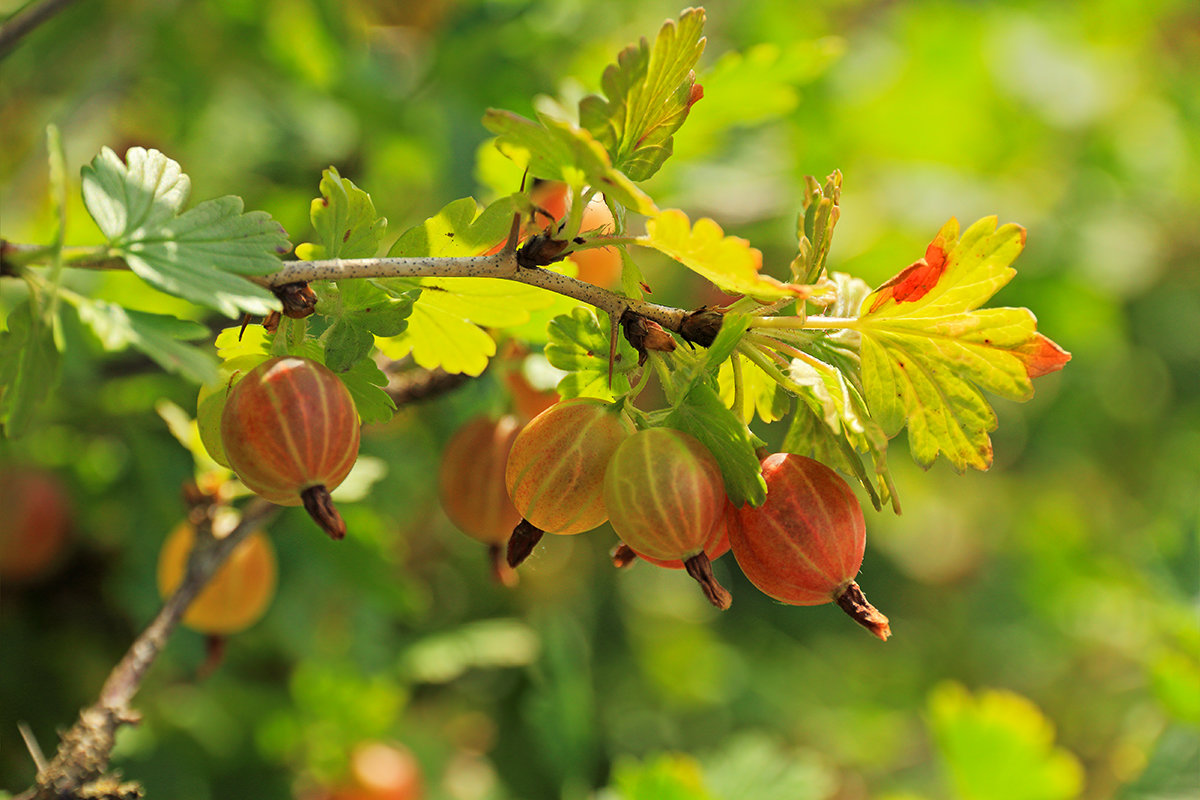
point(702, 326)
point(541, 250)
point(645, 335)
point(299, 300)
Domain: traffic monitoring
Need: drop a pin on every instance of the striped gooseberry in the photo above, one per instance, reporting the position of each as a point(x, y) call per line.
point(290, 432)
point(804, 545)
point(210, 403)
point(239, 592)
point(471, 484)
point(718, 545)
point(665, 495)
point(555, 471)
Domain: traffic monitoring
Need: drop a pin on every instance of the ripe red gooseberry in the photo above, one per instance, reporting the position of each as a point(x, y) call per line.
point(804, 545)
point(290, 432)
point(665, 496)
point(35, 522)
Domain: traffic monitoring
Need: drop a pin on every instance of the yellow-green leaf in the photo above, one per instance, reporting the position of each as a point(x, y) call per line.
point(728, 261)
point(928, 353)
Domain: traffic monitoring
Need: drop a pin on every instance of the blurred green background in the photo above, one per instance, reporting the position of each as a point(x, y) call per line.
point(1045, 613)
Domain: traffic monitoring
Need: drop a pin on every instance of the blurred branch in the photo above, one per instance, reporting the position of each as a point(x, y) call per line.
point(415, 385)
point(16, 27)
point(84, 751)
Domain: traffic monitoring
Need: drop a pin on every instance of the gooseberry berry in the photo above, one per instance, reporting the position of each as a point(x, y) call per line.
point(238, 594)
point(599, 266)
point(804, 545)
point(718, 545)
point(290, 432)
point(555, 471)
point(381, 771)
point(471, 484)
point(35, 522)
point(665, 495)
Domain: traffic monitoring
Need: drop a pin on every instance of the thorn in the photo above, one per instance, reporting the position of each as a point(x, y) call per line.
point(35, 750)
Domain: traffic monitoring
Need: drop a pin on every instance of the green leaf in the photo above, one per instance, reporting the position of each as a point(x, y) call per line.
point(998, 746)
point(649, 93)
point(666, 777)
point(702, 414)
point(29, 368)
point(728, 261)
point(556, 150)
point(927, 353)
point(199, 254)
point(579, 343)
point(748, 89)
point(444, 325)
point(761, 395)
point(367, 385)
point(159, 336)
point(131, 199)
point(753, 766)
point(358, 312)
point(345, 221)
point(459, 229)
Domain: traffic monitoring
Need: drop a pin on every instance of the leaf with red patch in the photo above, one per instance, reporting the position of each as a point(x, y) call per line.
point(929, 352)
point(1042, 356)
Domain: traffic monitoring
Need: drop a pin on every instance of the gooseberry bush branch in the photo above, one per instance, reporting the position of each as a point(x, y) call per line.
point(83, 754)
point(844, 366)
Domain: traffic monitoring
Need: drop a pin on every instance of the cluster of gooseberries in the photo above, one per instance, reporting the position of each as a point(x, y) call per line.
point(583, 462)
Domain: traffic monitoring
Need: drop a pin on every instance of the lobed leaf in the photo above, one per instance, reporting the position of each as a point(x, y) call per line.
point(928, 354)
point(702, 414)
point(345, 221)
point(444, 326)
point(556, 150)
point(200, 254)
point(159, 336)
point(579, 343)
point(728, 261)
point(648, 94)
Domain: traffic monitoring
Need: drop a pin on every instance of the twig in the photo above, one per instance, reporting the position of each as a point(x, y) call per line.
point(84, 751)
point(501, 265)
point(31, 16)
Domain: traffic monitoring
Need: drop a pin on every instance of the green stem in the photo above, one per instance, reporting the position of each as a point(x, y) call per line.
point(804, 322)
point(739, 389)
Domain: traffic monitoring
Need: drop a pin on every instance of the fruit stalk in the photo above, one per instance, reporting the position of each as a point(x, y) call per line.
point(854, 603)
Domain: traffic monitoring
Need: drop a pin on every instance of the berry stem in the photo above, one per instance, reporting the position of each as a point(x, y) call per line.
point(319, 505)
point(622, 556)
point(854, 603)
point(700, 568)
point(524, 538)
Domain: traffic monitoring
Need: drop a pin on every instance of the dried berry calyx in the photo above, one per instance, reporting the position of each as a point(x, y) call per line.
point(665, 497)
point(804, 545)
point(290, 431)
